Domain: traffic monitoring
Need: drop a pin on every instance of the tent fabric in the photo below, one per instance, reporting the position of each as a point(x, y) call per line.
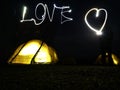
point(34, 52)
point(115, 59)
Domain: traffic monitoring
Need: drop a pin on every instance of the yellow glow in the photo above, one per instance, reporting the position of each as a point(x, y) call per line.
point(98, 31)
point(25, 55)
point(15, 53)
point(115, 60)
point(30, 48)
point(106, 54)
point(43, 55)
point(53, 54)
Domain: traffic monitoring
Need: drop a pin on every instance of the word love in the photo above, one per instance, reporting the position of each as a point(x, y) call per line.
point(98, 31)
point(63, 10)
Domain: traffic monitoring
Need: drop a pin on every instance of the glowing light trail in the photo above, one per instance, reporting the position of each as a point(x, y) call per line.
point(46, 11)
point(98, 31)
point(24, 12)
point(62, 14)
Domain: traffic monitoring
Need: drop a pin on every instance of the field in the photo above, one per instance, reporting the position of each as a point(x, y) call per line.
point(59, 77)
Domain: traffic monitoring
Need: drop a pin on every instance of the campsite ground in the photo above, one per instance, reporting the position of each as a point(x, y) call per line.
point(59, 77)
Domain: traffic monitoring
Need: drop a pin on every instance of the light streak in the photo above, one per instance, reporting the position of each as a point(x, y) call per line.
point(46, 11)
point(32, 19)
point(43, 16)
point(24, 12)
point(62, 15)
point(98, 31)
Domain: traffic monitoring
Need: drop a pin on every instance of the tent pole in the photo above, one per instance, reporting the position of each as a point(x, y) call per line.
point(32, 61)
point(17, 53)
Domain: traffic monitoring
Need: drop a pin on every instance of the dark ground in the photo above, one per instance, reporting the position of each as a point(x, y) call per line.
point(59, 77)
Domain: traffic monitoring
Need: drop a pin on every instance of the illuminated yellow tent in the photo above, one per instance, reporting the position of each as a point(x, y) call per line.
point(34, 52)
point(116, 60)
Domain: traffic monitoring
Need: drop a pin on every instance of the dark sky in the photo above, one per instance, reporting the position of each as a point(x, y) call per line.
point(71, 40)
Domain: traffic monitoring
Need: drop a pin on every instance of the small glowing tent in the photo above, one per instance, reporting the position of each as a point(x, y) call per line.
point(34, 52)
point(115, 59)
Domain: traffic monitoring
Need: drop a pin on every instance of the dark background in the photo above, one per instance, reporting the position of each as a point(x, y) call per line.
point(72, 40)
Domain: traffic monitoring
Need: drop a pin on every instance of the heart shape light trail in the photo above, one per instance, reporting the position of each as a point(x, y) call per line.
point(98, 31)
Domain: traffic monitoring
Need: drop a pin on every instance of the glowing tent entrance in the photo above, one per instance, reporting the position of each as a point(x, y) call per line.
point(34, 52)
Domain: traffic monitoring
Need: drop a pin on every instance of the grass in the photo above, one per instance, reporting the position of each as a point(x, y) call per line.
point(59, 77)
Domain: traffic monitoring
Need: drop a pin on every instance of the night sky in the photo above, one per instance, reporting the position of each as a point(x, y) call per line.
point(73, 40)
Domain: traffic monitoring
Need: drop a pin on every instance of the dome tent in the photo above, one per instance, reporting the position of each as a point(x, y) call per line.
point(34, 52)
point(115, 59)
